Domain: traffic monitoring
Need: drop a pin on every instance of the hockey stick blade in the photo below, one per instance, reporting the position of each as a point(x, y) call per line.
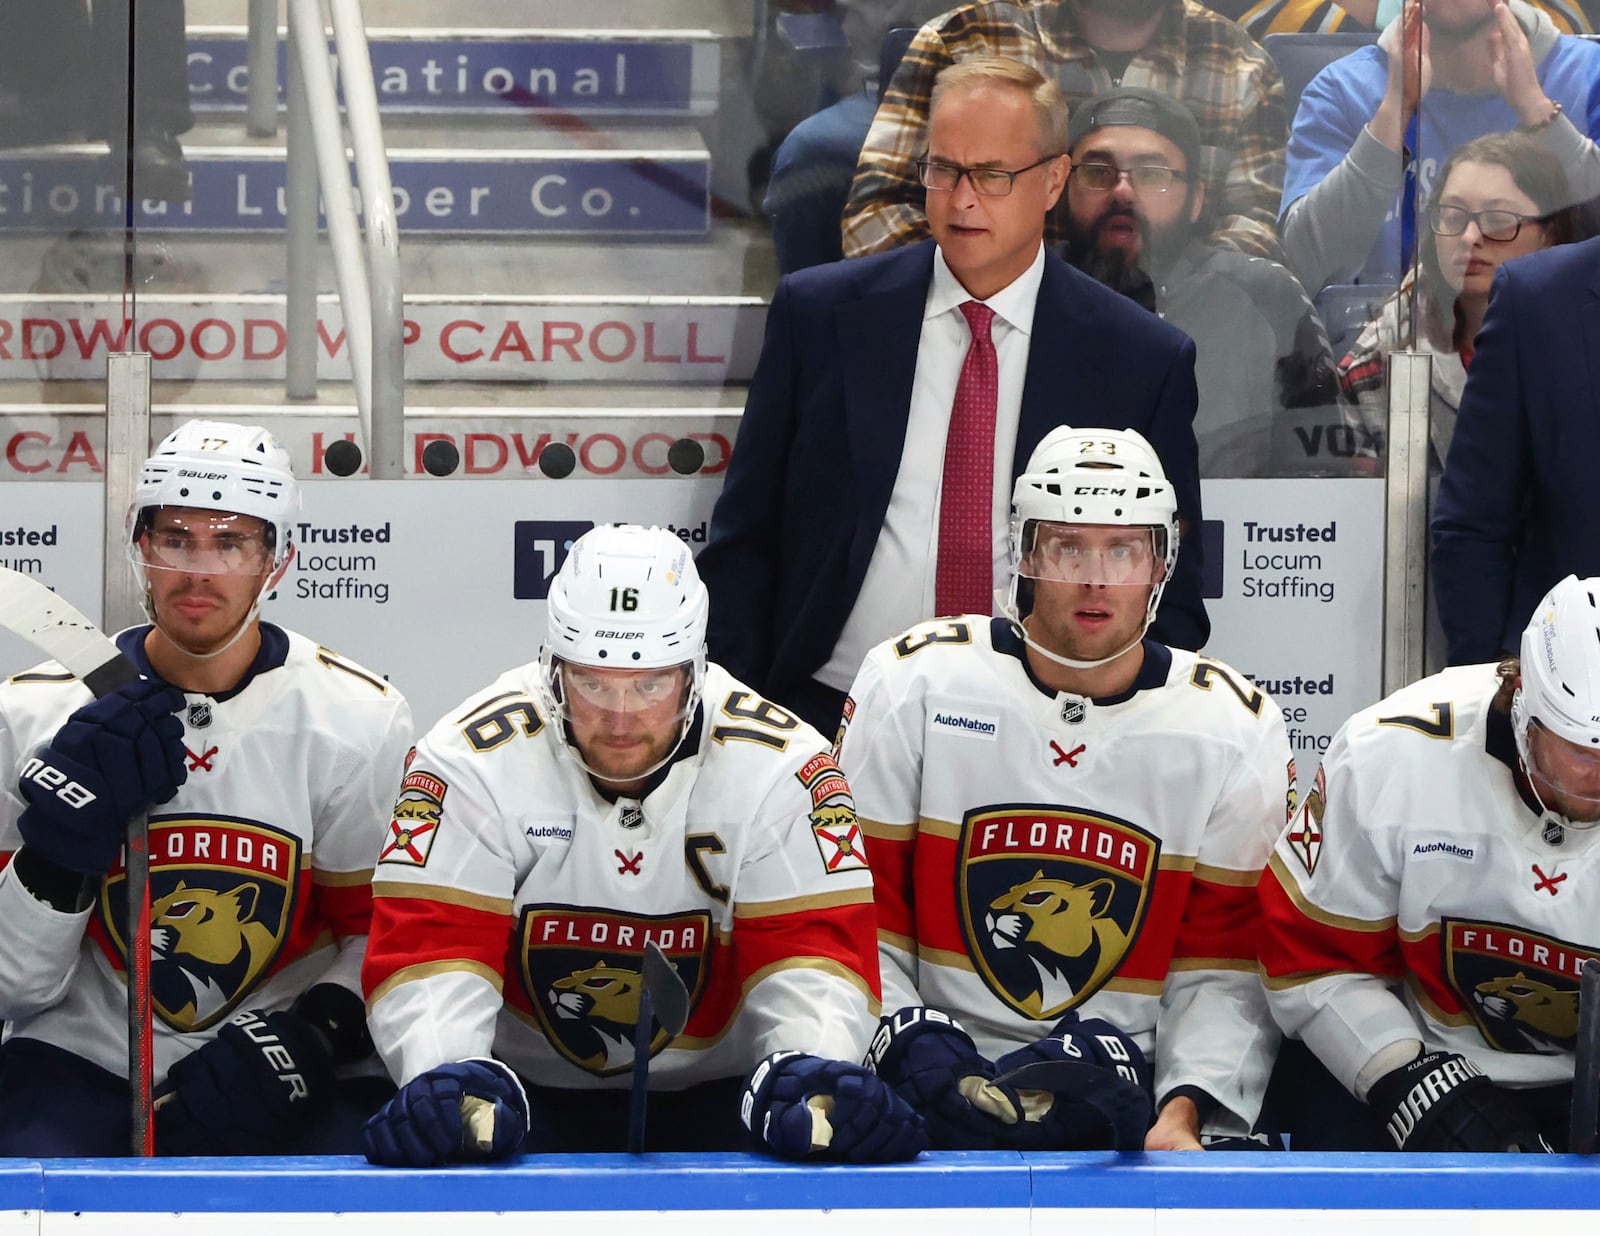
point(1586, 1064)
point(59, 629)
point(663, 1000)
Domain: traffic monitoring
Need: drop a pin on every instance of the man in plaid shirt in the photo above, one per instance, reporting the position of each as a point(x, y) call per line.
point(1175, 47)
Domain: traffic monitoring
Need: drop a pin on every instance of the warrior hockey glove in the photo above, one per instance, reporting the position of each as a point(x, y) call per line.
point(112, 759)
point(934, 1066)
point(251, 1090)
point(797, 1106)
point(475, 1109)
point(1442, 1101)
point(1099, 1089)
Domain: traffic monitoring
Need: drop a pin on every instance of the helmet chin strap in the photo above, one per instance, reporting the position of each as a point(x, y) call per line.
point(1519, 730)
point(238, 632)
point(1008, 607)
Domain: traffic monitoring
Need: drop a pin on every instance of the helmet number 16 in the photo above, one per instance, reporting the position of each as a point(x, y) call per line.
point(624, 600)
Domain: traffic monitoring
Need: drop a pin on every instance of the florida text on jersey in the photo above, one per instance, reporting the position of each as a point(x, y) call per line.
point(1036, 852)
point(514, 900)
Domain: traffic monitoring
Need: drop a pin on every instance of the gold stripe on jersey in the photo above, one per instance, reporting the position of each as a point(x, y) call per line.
point(939, 957)
point(1176, 862)
point(1317, 914)
point(796, 905)
point(1285, 982)
point(1137, 987)
point(1230, 876)
point(1210, 963)
point(341, 879)
point(1436, 1013)
point(939, 828)
point(886, 832)
point(1414, 937)
point(427, 969)
point(895, 940)
point(442, 894)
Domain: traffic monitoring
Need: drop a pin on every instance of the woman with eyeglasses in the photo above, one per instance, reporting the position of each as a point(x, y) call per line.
point(1496, 198)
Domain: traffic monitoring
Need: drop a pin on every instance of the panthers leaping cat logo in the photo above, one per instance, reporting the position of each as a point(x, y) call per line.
point(1545, 1017)
point(1062, 928)
point(602, 992)
point(206, 950)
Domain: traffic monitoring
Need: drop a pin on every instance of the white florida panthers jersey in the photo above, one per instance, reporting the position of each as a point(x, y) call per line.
point(1419, 895)
point(260, 868)
point(513, 900)
point(1036, 852)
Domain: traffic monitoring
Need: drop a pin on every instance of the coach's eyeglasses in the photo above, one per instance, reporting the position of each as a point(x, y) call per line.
point(1497, 225)
point(988, 181)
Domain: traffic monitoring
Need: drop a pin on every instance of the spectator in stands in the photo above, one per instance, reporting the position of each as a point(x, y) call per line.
point(1174, 47)
point(1497, 198)
point(814, 164)
point(857, 502)
point(1486, 66)
point(1364, 16)
point(1136, 221)
point(1517, 503)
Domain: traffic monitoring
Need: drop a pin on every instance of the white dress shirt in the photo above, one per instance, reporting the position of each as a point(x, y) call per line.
point(898, 589)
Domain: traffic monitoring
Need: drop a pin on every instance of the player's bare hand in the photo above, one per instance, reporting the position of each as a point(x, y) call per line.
point(1176, 1128)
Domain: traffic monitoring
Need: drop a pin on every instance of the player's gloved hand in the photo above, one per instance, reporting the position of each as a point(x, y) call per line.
point(265, 1077)
point(473, 1109)
point(933, 1065)
point(110, 760)
point(798, 1106)
point(1443, 1101)
point(1096, 1089)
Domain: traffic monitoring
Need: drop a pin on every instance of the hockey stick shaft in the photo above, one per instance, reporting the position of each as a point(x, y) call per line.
point(33, 612)
point(1586, 1064)
point(663, 999)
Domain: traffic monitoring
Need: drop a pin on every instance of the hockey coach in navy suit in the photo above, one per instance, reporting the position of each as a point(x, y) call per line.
point(826, 538)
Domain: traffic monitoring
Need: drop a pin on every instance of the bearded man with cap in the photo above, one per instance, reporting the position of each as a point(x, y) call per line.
point(1067, 820)
point(1136, 220)
point(1429, 910)
point(265, 763)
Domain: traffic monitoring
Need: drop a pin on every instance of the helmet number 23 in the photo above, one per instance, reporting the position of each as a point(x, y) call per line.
point(624, 600)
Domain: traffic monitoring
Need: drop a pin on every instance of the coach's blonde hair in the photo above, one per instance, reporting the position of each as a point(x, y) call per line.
point(1049, 104)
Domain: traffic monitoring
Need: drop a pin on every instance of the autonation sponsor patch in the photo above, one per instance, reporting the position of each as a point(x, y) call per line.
point(969, 724)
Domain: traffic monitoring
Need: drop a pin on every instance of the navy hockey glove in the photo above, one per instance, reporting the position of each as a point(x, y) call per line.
point(111, 760)
point(251, 1090)
point(474, 1109)
point(1098, 1088)
point(797, 1105)
point(933, 1065)
point(1443, 1101)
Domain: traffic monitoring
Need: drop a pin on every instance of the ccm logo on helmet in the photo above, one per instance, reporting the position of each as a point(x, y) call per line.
point(619, 634)
point(1101, 490)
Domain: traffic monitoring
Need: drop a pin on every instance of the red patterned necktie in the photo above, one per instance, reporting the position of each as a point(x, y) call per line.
point(964, 580)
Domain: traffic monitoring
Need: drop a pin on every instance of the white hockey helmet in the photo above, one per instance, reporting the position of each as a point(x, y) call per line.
point(1094, 476)
point(1560, 663)
point(627, 597)
point(219, 466)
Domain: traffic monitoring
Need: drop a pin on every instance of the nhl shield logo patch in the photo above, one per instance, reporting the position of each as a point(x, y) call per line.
point(580, 969)
point(1051, 901)
point(222, 899)
point(415, 820)
point(1520, 987)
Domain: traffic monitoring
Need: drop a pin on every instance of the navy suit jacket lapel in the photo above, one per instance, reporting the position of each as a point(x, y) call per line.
point(1060, 366)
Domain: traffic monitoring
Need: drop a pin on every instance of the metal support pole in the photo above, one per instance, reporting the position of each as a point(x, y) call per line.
point(1405, 549)
point(127, 445)
point(300, 236)
point(261, 97)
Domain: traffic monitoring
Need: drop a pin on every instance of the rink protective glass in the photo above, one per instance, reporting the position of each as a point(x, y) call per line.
point(629, 691)
point(204, 543)
point(1091, 553)
point(1571, 770)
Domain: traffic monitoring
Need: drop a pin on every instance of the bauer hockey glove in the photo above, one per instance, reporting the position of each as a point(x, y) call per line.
point(263, 1079)
point(1097, 1084)
point(474, 1109)
point(1443, 1101)
point(933, 1064)
point(797, 1106)
point(112, 759)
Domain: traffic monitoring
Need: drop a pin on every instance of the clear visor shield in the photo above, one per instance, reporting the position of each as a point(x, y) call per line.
point(586, 692)
point(1098, 554)
point(1570, 770)
point(203, 543)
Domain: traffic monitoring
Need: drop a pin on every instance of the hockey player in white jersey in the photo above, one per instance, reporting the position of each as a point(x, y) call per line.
point(1429, 911)
point(266, 764)
point(618, 791)
point(1067, 821)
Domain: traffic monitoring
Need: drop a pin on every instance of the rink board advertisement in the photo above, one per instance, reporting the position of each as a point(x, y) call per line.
point(440, 586)
point(243, 339)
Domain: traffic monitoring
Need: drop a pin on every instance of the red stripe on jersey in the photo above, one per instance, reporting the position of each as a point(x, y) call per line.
point(891, 884)
point(1294, 943)
point(346, 908)
point(1151, 955)
point(933, 876)
point(413, 931)
point(846, 935)
point(1425, 959)
point(1220, 921)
